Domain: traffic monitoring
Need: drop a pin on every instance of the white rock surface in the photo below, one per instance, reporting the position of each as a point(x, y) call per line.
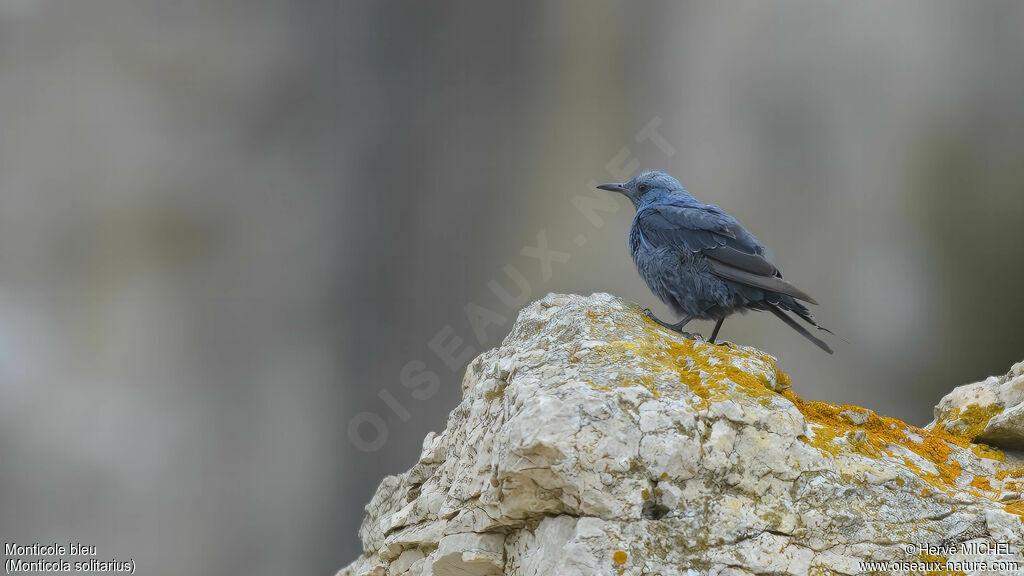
point(594, 442)
point(991, 411)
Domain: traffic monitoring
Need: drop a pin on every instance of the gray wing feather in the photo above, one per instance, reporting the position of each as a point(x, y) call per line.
point(770, 283)
point(753, 263)
point(733, 253)
point(694, 228)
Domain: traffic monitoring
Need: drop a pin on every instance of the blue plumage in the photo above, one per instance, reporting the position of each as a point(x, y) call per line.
point(700, 261)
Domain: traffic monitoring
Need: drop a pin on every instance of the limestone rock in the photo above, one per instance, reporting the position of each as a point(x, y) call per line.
point(990, 411)
point(594, 442)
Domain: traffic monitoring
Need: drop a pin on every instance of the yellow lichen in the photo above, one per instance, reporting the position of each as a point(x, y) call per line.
point(981, 483)
point(666, 365)
point(620, 557)
point(968, 422)
point(876, 436)
point(986, 451)
point(1016, 508)
point(936, 560)
point(1012, 473)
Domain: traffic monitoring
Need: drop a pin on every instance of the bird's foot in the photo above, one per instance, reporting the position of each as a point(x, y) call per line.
point(674, 327)
point(677, 327)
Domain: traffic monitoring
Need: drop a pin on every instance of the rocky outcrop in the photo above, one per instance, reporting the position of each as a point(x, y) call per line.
point(990, 411)
point(594, 442)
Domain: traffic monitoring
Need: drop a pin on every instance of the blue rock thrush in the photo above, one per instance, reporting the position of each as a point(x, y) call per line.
point(701, 262)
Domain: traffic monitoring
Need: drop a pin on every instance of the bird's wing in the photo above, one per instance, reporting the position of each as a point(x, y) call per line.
point(773, 283)
point(732, 252)
point(695, 228)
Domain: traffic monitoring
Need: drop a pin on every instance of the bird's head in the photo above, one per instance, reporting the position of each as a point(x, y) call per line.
point(647, 187)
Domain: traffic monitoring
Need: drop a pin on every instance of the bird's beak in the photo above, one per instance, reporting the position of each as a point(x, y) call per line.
point(613, 187)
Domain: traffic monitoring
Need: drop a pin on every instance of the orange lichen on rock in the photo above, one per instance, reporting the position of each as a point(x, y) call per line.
point(968, 422)
point(1012, 473)
point(938, 561)
point(876, 436)
point(981, 483)
point(1016, 508)
point(712, 373)
point(869, 434)
point(986, 451)
point(707, 373)
point(1013, 479)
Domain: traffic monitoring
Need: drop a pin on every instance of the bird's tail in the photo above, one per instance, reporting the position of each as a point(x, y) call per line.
point(800, 329)
point(802, 311)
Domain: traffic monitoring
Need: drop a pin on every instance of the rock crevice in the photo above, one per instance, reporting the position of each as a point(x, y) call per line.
point(592, 441)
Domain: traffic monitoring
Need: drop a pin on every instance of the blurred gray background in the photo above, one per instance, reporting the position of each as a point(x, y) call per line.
point(228, 228)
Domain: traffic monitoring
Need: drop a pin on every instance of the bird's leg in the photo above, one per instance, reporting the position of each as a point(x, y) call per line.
point(718, 326)
point(677, 327)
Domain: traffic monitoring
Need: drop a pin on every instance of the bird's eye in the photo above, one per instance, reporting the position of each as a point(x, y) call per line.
point(642, 188)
